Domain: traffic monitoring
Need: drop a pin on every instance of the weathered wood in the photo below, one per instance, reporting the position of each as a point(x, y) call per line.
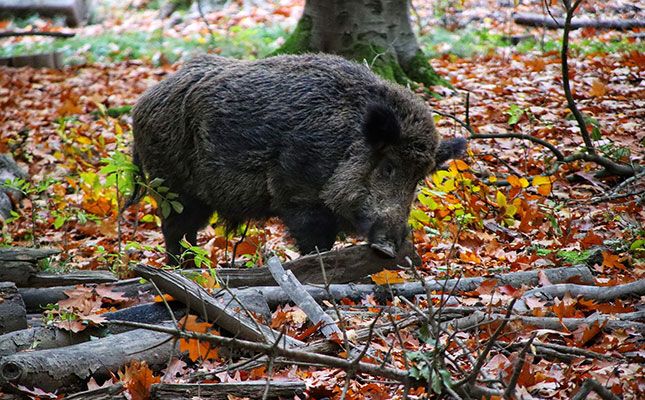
point(345, 265)
point(299, 295)
point(68, 368)
point(47, 279)
point(47, 337)
point(112, 392)
point(40, 60)
point(36, 298)
point(75, 12)
point(546, 21)
point(210, 309)
point(216, 391)
point(17, 253)
point(13, 315)
point(276, 296)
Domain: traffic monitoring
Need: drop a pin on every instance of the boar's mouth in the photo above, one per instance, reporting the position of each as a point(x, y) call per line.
point(383, 238)
point(385, 250)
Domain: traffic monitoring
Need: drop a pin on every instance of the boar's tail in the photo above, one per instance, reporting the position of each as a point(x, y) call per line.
point(139, 177)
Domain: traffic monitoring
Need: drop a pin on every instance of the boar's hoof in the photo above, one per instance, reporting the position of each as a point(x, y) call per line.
point(385, 250)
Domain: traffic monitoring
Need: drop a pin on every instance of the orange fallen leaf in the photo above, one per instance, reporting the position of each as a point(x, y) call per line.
point(386, 277)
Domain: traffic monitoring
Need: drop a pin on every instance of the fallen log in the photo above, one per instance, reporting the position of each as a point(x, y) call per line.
point(75, 12)
point(602, 294)
point(36, 298)
point(68, 368)
point(223, 391)
point(344, 265)
point(210, 308)
point(549, 22)
point(276, 296)
point(17, 264)
point(37, 33)
point(479, 318)
point(47, 337)
point(13, 315)
point(52, 60)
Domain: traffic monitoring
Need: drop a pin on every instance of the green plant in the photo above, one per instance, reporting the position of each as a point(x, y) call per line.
point(33, 192)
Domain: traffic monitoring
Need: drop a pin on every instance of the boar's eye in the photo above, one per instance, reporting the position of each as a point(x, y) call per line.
point(387, 170)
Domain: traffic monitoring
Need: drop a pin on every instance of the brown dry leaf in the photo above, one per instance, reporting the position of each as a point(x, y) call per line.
point(386, 277)
point(598, 89)
point(137, 379)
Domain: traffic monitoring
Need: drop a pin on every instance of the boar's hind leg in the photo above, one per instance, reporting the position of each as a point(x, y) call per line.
point(312, 228)
point(194, 216)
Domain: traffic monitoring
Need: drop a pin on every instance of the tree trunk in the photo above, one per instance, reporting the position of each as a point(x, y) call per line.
point(377, 32)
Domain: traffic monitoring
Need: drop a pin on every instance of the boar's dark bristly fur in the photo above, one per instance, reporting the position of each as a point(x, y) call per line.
point(319, 141)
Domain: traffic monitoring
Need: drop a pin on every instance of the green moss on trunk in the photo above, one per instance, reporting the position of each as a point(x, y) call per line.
point(299, 41)
point(384, 63)
point(419, 70)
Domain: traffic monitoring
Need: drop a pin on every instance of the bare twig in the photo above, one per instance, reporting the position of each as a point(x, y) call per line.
point(508, 393)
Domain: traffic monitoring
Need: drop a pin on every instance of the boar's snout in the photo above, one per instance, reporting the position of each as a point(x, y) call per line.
point(387, 240)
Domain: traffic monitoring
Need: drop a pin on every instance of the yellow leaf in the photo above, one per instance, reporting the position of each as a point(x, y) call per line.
point(524, 183)
point(492, 179)
point(436, 118)
point(542, 180)
point(511, 210)
point(501, 199)
point(118, 129)
point(386, 277)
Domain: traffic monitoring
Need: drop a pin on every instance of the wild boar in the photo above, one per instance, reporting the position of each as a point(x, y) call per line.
point(316, 140)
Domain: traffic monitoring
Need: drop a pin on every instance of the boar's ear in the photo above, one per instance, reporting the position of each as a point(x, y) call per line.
point(380, 126)
point(449, 148)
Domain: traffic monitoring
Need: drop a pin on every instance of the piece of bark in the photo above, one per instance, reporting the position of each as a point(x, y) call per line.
point(17, 253)
point(112, 392)
point(47, 279)
point(48, 337)
point(344, 265)
point(68, 368)
point(546, 21)
point(276, 296)
point(216, 391)
point(36, 298)
point(211, 309)
point(299, 295)
point(13, 315)
point(18, 264)
point(75, 12)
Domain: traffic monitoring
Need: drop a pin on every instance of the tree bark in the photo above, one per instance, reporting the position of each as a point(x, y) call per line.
point(68, 368)
point(275, 295)
point(377, 32)
point(13, 315)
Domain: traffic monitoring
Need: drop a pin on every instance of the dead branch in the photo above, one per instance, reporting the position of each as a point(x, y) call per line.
point(112, 392)
point(304, 300)
point(202, 303)
point(275, 295)
point(590, 385)
point(549, 22)
point(37, 33)
point(600, 293)
point(345, 265)
point(224, 391)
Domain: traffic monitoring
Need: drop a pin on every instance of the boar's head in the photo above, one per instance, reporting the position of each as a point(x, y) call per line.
point(373, 188)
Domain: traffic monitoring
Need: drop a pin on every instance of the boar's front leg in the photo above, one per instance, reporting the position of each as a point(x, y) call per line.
point(311, 228)
point(194, 216)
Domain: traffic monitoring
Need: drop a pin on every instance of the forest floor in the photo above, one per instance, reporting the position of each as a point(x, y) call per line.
point(499, 212)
